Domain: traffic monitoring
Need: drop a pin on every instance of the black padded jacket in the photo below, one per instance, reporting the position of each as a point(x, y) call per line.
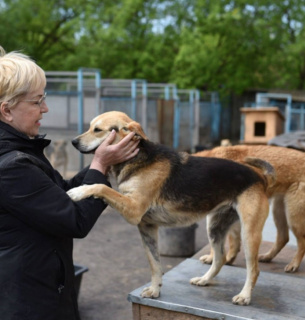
point(38, 222)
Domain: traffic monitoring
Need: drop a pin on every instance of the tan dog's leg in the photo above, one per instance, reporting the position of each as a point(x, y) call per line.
point(132, 210)
point(217, 225)
point(282, 236)
point(65, 165)
point(295, 204)
point(234, 241)
point(149, 234)
point(207, 258)
point(253, 209)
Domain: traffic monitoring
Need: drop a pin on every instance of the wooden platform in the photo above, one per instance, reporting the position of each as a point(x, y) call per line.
point(276, 296)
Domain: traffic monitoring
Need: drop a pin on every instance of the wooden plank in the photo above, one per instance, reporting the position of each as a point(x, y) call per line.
point(136, 314)
point(165, 110)
point(151, 313)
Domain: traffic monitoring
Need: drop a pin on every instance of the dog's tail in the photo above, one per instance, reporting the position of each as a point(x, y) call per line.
point(266, 168)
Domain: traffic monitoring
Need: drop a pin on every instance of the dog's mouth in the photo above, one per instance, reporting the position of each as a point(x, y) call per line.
point(88, 152)
point(83, 149)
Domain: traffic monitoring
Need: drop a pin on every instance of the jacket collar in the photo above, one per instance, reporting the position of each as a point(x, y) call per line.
point(15, 139)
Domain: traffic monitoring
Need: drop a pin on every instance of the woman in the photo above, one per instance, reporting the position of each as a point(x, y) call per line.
point(38, 221)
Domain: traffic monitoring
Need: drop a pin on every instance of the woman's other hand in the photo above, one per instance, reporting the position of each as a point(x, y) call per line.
point(108, 154)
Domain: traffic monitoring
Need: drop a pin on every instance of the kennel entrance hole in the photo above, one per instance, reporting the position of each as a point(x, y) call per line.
point(259, 129)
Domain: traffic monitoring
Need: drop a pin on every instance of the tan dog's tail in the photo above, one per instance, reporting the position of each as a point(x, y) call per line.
point(266, 168)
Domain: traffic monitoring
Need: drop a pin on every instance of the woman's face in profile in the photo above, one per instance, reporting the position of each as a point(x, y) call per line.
point(25, 116)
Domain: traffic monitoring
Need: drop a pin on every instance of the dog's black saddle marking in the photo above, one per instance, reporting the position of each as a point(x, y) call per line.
point(195, 184)
point(203, 183)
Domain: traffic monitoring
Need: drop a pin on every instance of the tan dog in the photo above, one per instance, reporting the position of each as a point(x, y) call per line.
point(161, 187)
point(288, 194)
point(57, 154)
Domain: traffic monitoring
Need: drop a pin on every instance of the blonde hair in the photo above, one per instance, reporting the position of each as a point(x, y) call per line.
point(19, 74)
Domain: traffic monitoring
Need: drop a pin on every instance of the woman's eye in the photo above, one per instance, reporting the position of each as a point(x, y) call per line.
point(97, 130)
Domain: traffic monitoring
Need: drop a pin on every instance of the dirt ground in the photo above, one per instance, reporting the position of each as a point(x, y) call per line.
point(117, 265)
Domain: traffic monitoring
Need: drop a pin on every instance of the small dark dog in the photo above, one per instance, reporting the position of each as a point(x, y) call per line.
point(161, 187)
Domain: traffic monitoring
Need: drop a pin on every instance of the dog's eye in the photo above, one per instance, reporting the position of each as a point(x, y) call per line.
point(97, 130)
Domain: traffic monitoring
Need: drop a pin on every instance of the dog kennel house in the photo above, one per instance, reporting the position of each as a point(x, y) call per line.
point(261, 124)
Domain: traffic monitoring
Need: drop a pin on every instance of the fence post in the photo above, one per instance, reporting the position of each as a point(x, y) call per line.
point(216, 110)
point(80, 125)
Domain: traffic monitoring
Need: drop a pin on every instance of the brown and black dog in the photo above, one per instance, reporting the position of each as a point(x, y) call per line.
point(287, 193)
point(161, 187)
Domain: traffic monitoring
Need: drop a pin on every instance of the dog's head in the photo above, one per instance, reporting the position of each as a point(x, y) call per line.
point(102, 125)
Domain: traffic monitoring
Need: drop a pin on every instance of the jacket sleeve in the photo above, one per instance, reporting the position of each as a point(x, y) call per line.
point(31, 196)
point(78, 179)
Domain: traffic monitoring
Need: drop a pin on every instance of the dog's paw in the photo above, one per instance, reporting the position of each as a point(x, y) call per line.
point(199, 281)
point(264, 258)
point(291, 267)
point(230, 259)
point(77, 193)
point(150, 292)
point(241, 300)
point(206, 259)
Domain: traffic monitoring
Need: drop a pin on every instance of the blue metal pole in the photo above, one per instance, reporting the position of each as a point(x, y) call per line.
point(133, 99)
point(166, 92)
point(98, 93)
point(176, 119)
point(288, 115)
point(80, 110)
point(302, 117)
point(144, 105)
point(192, 120)
point(215, 116)
point(242, 127)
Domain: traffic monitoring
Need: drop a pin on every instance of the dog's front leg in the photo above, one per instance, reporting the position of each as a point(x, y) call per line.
point(149, 234)
point(130, 207)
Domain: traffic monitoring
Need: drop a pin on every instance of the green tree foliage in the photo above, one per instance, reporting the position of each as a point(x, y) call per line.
point(235, 45)
point(43, 29)
point(208, 44)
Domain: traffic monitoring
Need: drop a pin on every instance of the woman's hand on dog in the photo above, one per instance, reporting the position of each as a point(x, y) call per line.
point(108, 154)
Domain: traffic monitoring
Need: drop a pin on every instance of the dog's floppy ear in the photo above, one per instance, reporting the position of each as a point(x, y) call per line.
point(136, 127)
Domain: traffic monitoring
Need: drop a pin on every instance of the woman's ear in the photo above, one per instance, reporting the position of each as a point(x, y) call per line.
point(5, 112)
point(136, 127)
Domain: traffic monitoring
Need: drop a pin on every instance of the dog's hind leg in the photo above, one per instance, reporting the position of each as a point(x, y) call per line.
point(282, 236)
point(218, 224)
point(149, 235)
point(234, 242)
point(253, 208)
point(295, 204)
point(207, 258)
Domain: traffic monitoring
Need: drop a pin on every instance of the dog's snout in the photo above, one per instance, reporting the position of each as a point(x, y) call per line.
point(75, 143)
